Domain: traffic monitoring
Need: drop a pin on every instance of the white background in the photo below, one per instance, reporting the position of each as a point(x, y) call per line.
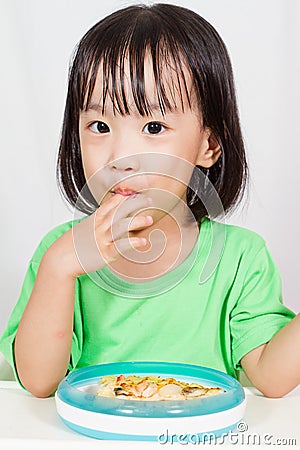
point(37, 38)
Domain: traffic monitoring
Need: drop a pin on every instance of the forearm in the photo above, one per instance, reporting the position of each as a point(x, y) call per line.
point(44, 336)
point(276, 370)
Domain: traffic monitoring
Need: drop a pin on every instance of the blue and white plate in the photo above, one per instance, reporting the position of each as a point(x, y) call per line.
point(163, 421)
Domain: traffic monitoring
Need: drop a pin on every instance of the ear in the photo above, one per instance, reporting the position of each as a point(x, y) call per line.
point(210, 150)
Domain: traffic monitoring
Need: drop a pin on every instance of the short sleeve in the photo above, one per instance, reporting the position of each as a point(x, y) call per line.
point(259, 312)
point(8, 337)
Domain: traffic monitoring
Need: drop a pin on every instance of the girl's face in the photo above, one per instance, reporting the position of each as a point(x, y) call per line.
point(124, 148)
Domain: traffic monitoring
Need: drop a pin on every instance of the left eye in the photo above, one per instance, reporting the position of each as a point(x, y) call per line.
point(153, 128)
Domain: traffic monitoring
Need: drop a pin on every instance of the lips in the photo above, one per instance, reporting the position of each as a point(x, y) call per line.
point(126, 192)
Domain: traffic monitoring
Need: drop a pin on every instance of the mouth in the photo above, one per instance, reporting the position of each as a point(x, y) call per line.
point(126, 192)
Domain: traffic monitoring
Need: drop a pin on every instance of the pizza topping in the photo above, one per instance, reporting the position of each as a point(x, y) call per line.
point(152, 387)
point(150, 390)
point(170, 390)
point(194, 391)
point(119, 391)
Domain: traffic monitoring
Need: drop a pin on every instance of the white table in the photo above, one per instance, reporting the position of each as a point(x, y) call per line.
point(31, 423)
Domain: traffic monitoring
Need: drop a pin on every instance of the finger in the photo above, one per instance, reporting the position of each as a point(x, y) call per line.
point(121, 210)
point(130, 205)
point(123, 245)
point(123, 226)
point(110, 204)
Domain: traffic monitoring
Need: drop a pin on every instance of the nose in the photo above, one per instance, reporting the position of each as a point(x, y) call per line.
point(128, 163)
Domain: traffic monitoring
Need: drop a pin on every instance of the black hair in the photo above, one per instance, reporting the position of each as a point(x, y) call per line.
point(171, 33)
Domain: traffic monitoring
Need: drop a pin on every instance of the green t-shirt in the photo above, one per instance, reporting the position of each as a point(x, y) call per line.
point(224, 300)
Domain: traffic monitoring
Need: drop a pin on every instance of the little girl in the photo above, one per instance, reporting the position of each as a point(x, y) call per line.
point(151, 147)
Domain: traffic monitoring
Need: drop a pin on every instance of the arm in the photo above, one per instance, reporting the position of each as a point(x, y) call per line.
point(43, 340)
point(44, 336)
point(274, 368)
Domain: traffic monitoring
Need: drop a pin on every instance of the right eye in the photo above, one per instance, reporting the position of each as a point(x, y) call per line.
point(99, 127)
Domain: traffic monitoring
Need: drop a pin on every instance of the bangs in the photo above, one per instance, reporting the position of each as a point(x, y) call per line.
point(128, 48)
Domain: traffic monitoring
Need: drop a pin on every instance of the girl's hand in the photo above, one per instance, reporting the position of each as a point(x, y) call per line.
point(102, 237)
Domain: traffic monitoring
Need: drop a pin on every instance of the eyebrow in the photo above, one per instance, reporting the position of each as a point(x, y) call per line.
point(93, 106)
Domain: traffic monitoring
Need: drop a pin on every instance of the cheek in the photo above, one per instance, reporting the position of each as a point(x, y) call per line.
point(88, 154)
point(187, 146)
point(92, 172)
point(87, 171)
point(91, 158)
point(174, 172)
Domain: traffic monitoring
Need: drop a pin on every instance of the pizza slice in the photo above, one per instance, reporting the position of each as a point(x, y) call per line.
point(152, 387)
